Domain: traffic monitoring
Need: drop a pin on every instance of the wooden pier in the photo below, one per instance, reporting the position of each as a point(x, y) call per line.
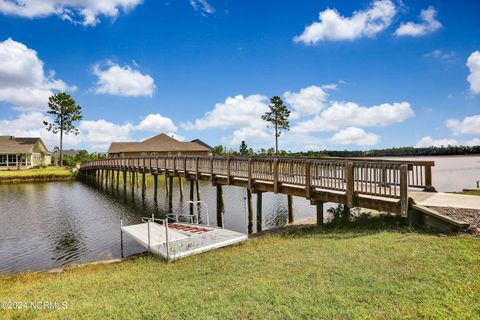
point(368, 183)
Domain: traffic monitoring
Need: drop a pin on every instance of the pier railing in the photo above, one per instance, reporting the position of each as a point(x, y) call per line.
point(380, 178)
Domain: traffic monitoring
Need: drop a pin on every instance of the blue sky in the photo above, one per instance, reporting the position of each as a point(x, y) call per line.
point(357, 74)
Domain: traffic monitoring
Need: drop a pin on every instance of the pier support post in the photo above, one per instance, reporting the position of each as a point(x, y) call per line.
point(320, 221)
point(290, 208)
point(220, 206)
point(250, 211)
point(155, 186)
point(192, 193)
point(125, 180)
point(180, 187)
point(132, 175)
point(166, 184)
point(170, 193)
point(118, 178)
point(144, 185)
point(259, 211)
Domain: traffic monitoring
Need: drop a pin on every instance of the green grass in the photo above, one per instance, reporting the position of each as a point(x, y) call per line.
point(34, 174)
point(308, 273)
point(471, 193)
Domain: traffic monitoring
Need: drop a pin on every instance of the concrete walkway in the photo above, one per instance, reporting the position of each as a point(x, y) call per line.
point(440, 199)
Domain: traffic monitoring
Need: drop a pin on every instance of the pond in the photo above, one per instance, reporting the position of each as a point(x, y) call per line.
point(49, 225)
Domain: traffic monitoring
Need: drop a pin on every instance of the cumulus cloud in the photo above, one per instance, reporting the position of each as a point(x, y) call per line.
point(100, 133)
point(30, 124)
point(348, 114)
point(235, 112)
point(94, 134)
point(259, 135)
point(123, 81)
point(335, 27)
point(23, 82)
point(428, 141)
point(203, 6)
point(355, 136)
point(157, 122)
point(309, 100)
point(469, 125)
point(428, 25)
point(441, 55)
point(86, 12)
point(473, 64)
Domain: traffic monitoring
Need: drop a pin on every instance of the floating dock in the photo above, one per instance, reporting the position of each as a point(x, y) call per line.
point(173, 241)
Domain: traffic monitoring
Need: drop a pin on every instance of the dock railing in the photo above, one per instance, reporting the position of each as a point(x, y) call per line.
point(374, 177)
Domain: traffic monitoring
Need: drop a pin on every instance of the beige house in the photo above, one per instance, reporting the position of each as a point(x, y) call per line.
point(23, 152)
point(160, 145)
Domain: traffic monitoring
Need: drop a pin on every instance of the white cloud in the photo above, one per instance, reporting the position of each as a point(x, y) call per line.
point(334, 27)
point(428, 141)
point(309, 100)
point(441, 55)
point(30, 124)
point(123, 81)
point(347, 114)
point(87, 10)
point(203, 6)
point(157, 122)
point(23, 82)
point(100, 133)
point(469, 125)
point(473, 64)
point(256, 135)
point(355, 136)
point(236, 112)
point(428, 25)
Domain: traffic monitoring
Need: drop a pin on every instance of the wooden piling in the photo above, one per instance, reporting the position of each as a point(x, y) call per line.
point(198, 190)
point(155, 186)
point(249, 211)
point(220, 206)
point(192, 193)
point(170, 193)
point(144, 185)
point(290, 208)
point(118, 178)
point(320, 221)
point(125, 180)
point(259, 211)
point(180, 187)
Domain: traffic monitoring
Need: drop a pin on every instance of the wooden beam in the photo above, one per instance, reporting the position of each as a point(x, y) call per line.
point(290, 209)
point(320, 218)
point(404, 190)
point(259, 212)
point(249, 211)
point(192, 191)
point(220, 206)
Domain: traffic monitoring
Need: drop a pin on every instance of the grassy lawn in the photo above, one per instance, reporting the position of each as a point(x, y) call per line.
point(308, 273)
point(472, 193)
point(48, 172)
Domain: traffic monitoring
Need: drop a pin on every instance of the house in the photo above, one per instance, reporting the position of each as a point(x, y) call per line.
point(23, 152)
point(160, 145)
point(69, 153)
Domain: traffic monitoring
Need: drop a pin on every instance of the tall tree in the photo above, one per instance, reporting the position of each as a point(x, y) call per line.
point(66, 113)
point(277, 117)
point(243, 150)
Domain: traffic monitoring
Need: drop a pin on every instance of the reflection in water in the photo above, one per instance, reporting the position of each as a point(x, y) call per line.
point(60, 223)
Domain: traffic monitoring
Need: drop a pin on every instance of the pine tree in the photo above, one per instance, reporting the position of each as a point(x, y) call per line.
point(277, 117)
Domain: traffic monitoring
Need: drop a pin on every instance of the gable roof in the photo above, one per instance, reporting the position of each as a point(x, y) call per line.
point(158, 143)
point(11, 144)
point(200, 142)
